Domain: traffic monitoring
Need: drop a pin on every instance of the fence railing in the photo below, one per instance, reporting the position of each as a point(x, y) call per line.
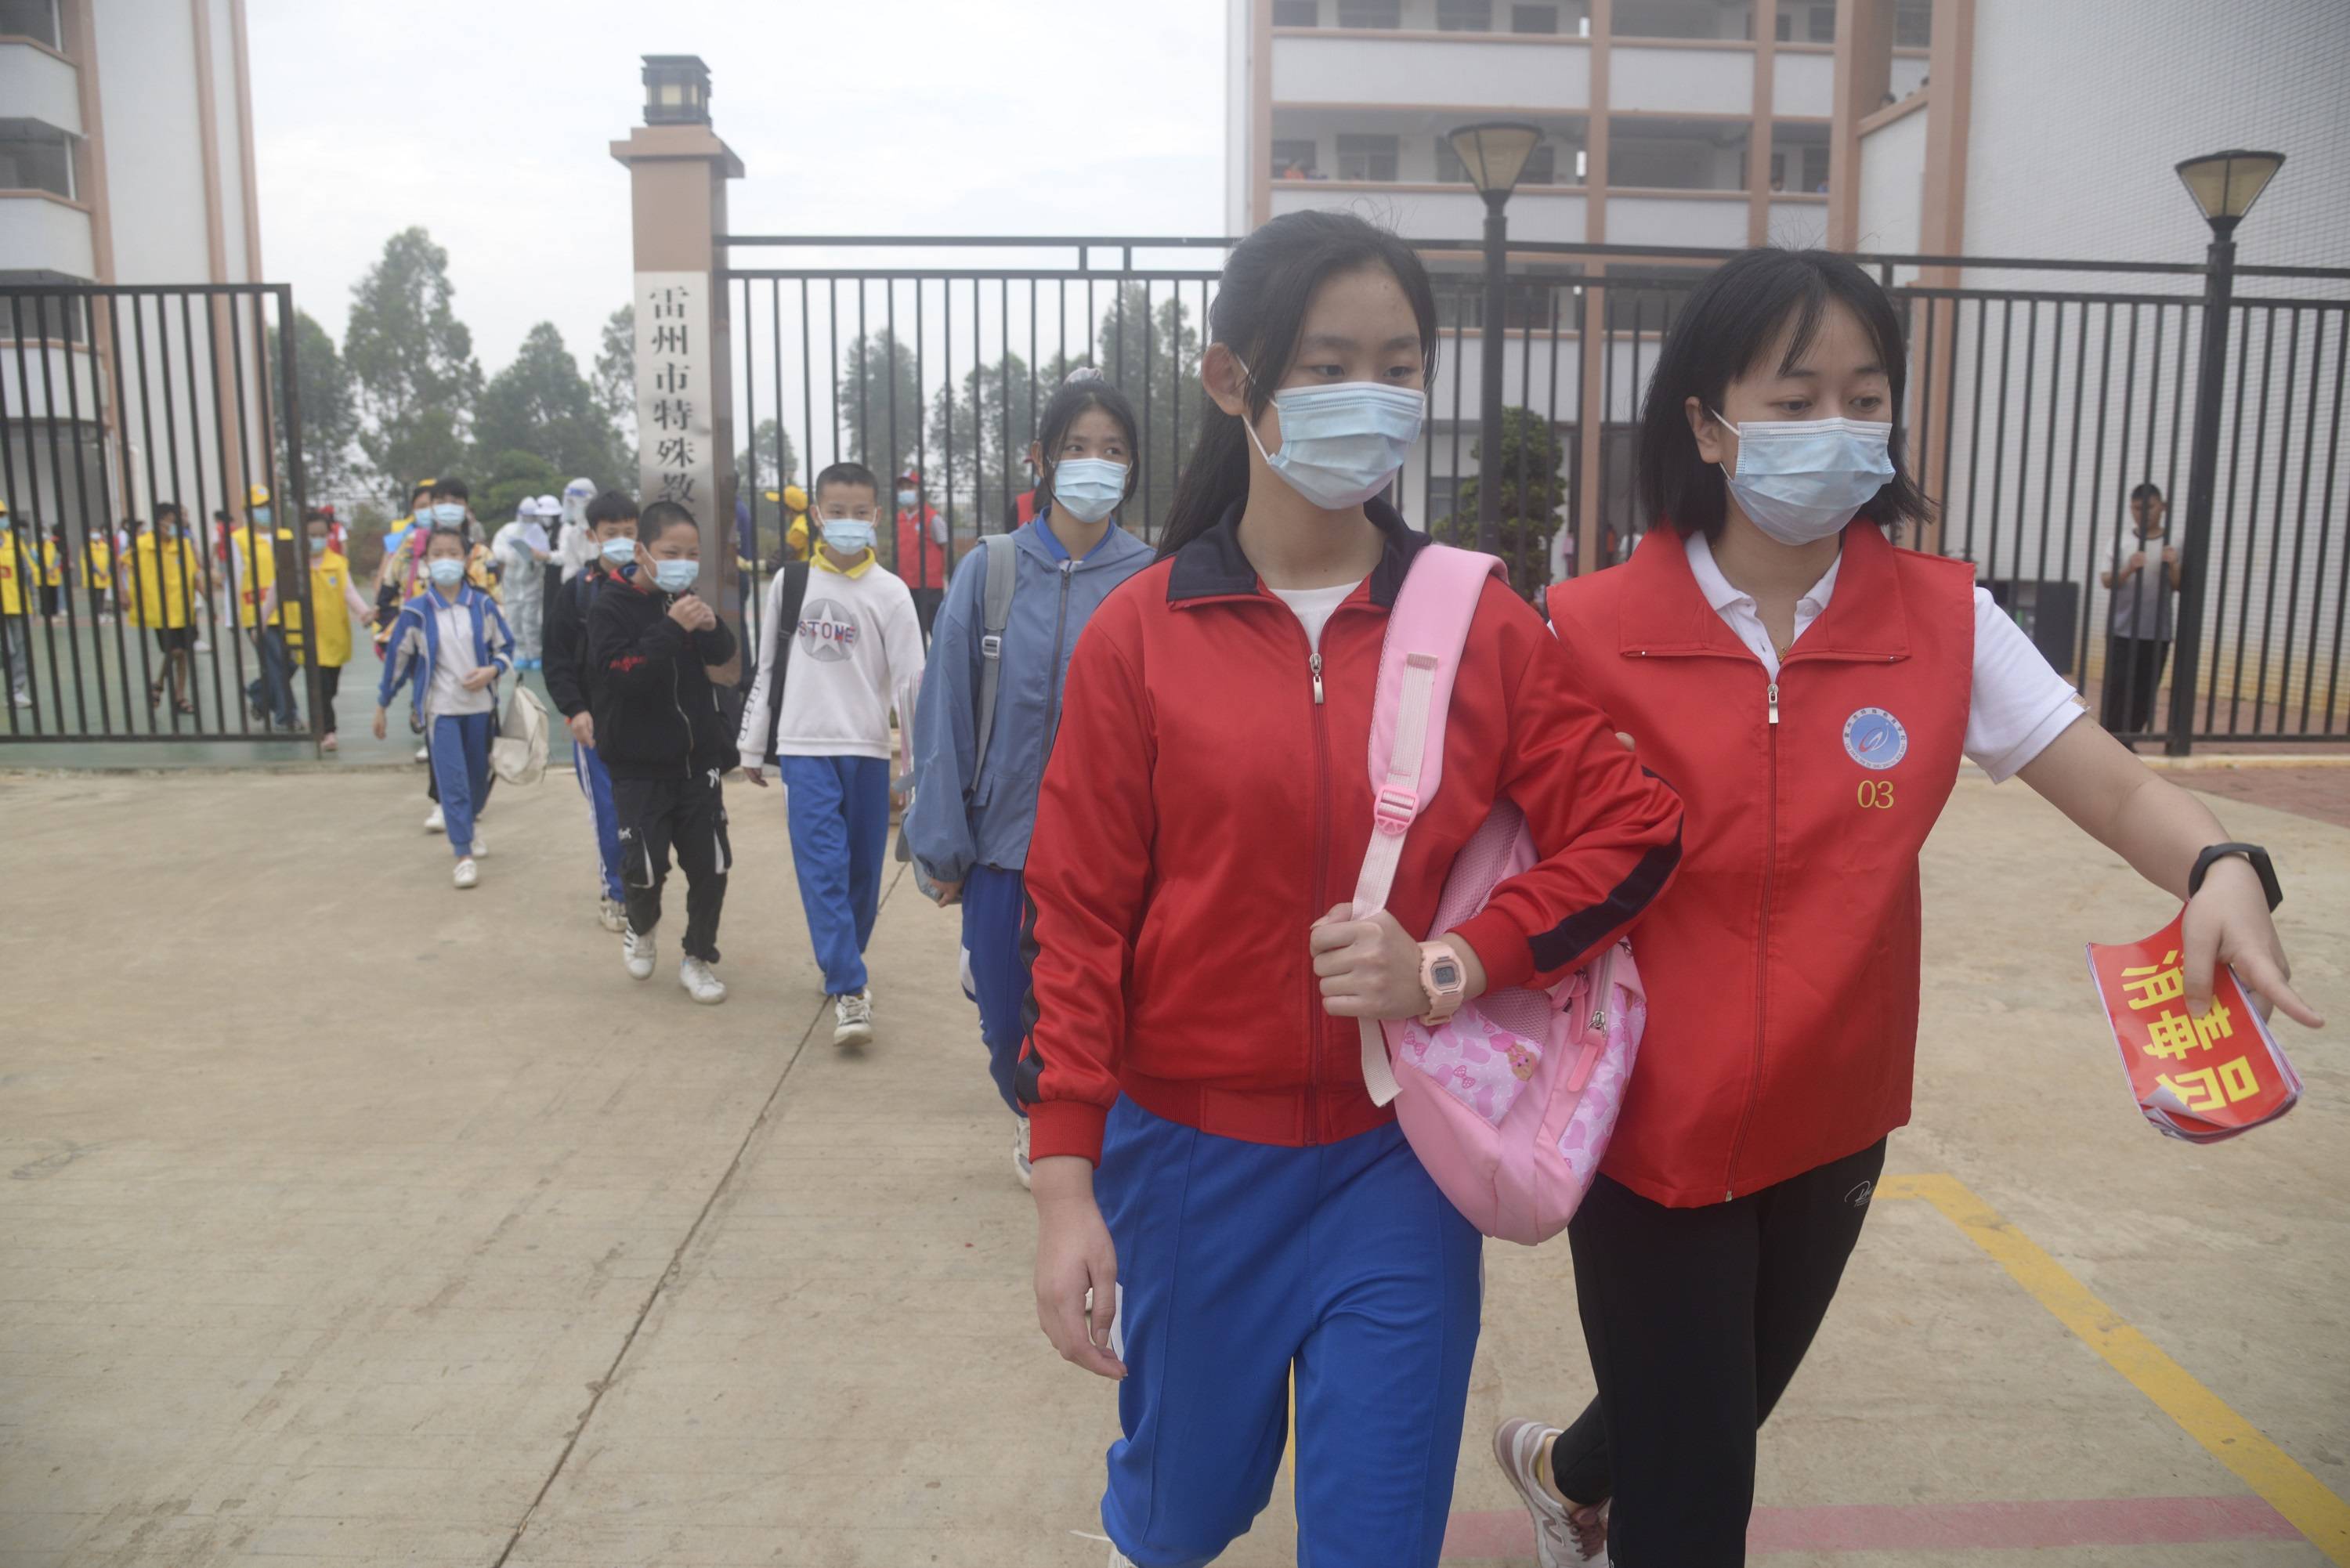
point(2034, 407)
point(134, 580)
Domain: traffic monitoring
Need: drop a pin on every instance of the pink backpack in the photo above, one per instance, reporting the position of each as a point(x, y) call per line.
point(1509, 1103)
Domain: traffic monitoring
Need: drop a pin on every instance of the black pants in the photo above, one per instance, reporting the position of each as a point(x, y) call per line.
point(926, 608)
point(2132, 669)
point(1696, 1320)
point(688, 816)
point(330, 680)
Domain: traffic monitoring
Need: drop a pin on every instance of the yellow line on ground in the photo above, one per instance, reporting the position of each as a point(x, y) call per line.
point(2269, 1471)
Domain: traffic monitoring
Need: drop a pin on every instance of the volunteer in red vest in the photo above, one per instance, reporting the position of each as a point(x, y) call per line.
point(921, 559)
point(1195, 974)
point(1810, 690)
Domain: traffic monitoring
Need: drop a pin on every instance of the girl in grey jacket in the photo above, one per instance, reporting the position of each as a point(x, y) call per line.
point(991, 701)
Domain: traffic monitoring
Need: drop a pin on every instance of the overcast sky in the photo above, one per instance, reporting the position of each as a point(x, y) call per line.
point(488, 122)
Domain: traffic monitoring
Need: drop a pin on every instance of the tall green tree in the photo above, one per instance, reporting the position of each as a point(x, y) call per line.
point(412, 363)
point(541, 404)
point(770, 461)
point(880, 405)
point(330, 413)
point(1151, 350)
point(616, 389)
point(505, 478)
point(1531, 471)
point(981, 432)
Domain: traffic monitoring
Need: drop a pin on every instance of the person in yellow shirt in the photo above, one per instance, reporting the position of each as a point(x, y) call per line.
point(163, 582)
point(334, 600)
point(795, 535)
point(259, 550)
point(16, 607)
point(98, 575)
point(53, 572)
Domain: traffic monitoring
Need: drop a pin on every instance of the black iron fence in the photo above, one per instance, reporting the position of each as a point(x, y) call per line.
point(2034, 409)
point(142, 432)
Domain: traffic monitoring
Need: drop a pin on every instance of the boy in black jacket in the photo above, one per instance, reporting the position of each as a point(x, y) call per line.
point(611, 521)
point(664, 736)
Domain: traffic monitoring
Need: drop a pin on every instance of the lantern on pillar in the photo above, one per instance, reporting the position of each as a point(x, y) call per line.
point(676, 90)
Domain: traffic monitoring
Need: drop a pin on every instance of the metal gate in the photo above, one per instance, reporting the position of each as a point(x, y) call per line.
point(2034, 407)
point(135, 422)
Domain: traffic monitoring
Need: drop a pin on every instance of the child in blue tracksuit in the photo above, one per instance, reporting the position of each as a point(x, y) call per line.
point(974, 794)
point(451, 643)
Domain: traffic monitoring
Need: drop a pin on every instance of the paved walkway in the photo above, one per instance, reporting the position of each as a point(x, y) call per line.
point(348, 1219)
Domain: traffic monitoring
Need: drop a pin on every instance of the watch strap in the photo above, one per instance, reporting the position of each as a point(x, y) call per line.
point(2254, 856)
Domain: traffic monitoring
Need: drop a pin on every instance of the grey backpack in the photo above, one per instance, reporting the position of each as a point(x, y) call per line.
point(1003, 572)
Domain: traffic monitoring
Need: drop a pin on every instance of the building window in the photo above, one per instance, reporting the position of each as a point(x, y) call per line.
point(1367, 157)
point(36, 157)
point(1464, 15)
point(1913, 23)
point(1815, 168)
point(1819, 23)
point(35, 19)
point(1296, 12)
point(55, 316)
point(1297, 156)
point(1384, 16)
point(1541, 19)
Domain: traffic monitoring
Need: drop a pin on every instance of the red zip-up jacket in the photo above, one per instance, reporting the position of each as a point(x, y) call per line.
point(1782, 968)
point(1208, 798)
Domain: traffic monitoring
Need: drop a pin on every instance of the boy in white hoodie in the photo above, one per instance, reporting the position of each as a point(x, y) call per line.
point(839, 646)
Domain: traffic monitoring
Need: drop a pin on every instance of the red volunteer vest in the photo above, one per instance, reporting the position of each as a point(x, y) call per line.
point(1782, 966)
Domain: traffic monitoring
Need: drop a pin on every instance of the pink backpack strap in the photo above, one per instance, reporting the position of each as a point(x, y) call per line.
point(1426, 632)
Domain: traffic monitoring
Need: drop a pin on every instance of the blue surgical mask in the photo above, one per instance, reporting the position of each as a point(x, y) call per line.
point(1342, 445)
point(849, 535)
point(675, 576)
point(1088, 488)
point(445, 571)
point(1803, 480)
point(618, 553)
point(907, 497)
point(449, 514)
point(261, 516)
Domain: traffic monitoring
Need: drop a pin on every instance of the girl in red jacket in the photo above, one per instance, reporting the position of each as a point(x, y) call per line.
point(1810, 690)
point(1194, 973)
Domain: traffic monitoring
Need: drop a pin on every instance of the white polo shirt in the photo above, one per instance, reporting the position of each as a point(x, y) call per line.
point(2016, 706)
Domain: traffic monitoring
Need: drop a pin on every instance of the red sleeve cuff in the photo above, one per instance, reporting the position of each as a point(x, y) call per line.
point(1066, 1126)
point(1500, 947)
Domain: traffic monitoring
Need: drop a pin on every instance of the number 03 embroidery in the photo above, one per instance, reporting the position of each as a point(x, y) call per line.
point(1876, 794)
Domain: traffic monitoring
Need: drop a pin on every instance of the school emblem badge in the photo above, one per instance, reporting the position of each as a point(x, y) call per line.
point(1874, 739)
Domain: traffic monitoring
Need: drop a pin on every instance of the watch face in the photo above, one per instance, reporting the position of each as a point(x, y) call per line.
point(1446, 973)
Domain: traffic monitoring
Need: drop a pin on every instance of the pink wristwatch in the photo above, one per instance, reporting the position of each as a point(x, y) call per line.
point(1446, 980)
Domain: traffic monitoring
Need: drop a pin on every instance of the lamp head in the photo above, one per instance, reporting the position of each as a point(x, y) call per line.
point(2226, 184)
point(1494, 152)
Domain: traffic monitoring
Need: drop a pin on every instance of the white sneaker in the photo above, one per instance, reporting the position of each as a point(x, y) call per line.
point(612, 915)
point(204, 646)
point(436, 823)
point(468, 873)
point(1020, 1162)
point(1118, 1558)
point(637, 953)
point(852, 1018)
point(1559, 1543)
point(423, 753)
point(21, 699)
point(481, 847)
point(699, 983)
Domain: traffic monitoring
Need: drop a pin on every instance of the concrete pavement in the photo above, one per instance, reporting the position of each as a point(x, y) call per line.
point(350, 1220)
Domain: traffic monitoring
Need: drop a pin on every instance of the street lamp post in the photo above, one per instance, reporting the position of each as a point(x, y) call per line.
point(1494, 152)
point(2224, 185)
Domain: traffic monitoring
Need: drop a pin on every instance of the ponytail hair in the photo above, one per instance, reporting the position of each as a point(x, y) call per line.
point(1259, 313)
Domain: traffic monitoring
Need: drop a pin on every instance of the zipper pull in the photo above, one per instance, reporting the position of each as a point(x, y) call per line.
point(1317, 682)
point(1775, 701)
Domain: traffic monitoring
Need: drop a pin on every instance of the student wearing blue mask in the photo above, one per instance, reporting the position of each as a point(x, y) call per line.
point(451, 643)
point(999, 654)
point(663, 734)
point(608, 523)
point(843, 647)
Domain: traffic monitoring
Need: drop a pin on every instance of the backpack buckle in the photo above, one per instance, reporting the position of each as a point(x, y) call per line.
point(991, 646)
point(1395, 810)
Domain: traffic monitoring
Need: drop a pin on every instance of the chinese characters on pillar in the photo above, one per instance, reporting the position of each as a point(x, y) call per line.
point(676, 452)
point(2199, 1077)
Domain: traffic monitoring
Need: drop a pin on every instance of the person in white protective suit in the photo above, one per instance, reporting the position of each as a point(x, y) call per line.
point(576, 545)
point(522, 549)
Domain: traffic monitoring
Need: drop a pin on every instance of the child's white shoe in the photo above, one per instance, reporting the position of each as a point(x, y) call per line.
point(468, 873)
point(436, 823)
point(611, 916)
point(699, 983)
point(852, 1018)
point(481, 847)
point(637, 953)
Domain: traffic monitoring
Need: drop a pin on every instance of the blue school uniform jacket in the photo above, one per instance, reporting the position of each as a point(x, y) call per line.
point(413, 650)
